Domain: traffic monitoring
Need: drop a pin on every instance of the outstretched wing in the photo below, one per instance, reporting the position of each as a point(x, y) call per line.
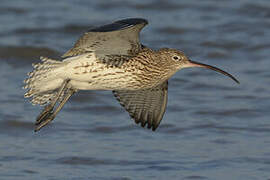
point(119, 40)
point(145, 106)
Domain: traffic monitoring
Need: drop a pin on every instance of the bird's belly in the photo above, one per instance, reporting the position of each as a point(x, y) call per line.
point(90, 74)
point(95, 85)
point(104, 81)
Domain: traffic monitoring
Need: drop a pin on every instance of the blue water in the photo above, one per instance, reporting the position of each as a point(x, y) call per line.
point(213, 128)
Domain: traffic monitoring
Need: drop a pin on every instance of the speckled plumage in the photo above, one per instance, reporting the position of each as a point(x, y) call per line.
point(110, 58)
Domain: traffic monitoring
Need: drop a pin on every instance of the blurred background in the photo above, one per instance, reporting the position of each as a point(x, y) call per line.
point(213, 128)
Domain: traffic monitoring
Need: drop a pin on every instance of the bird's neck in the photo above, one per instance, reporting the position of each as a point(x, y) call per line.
point(148, 68)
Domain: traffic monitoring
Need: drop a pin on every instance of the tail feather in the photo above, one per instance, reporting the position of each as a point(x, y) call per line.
point(42, 81)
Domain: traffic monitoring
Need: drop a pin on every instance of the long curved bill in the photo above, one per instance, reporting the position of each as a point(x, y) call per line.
point(197, 64)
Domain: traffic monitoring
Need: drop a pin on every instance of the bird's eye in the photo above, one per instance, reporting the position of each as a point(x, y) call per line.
point(176, 58)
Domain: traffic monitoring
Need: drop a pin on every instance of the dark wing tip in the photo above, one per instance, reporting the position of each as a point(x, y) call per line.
point(132, 21)
point(118, 25)
point(143, 123)
point(154, 128)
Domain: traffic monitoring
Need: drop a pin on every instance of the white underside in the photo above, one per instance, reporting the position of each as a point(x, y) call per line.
point(87, 73)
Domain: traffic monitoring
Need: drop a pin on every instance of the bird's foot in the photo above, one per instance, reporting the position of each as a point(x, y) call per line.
point(44, 114)
point(47, 119)
point(44, 117)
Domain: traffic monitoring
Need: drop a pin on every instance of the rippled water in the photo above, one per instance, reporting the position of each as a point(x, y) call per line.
point(213, 128)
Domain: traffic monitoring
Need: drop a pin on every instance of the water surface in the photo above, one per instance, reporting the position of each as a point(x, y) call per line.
point(212, 129)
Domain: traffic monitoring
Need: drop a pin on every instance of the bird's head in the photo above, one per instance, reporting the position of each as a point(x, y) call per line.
point(176, 60)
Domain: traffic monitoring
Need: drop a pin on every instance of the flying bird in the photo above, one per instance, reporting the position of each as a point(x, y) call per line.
point(110, 57)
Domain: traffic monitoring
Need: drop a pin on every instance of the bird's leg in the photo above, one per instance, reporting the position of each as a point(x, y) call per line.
point(49, 108)
point(63, 102)
point(51, 116)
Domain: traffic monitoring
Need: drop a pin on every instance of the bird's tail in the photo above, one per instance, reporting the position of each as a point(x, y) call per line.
point(43, 81)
